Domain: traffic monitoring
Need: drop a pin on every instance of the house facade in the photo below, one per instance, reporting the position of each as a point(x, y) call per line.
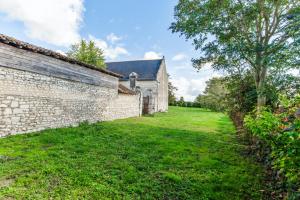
point(152, 80)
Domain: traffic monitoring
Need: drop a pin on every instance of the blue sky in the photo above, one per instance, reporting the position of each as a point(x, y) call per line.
point(125, 30)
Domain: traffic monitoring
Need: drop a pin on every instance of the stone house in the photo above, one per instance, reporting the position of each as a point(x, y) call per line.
point(152, 79)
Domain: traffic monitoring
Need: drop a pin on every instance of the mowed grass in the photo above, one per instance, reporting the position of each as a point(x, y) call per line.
point(186, 153)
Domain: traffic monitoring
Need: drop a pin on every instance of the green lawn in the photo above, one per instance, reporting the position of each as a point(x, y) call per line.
point(182, 154)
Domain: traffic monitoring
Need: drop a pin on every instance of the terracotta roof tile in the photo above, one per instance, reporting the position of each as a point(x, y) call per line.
point(124, 90)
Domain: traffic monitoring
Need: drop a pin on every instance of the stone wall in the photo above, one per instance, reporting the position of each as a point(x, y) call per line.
point(39, 92)
point(162, 100)
point(124, 106)
point(148, 88)
point(31, 102)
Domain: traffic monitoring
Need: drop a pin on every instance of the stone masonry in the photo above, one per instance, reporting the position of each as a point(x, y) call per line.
point(39, 92)
point(31, 102)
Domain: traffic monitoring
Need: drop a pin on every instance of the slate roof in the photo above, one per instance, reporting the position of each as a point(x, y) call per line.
point(146, 69)
point(29, 47)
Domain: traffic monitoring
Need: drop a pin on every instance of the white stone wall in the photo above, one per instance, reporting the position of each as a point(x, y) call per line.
point(39, 92)
point(31, 102)
point(124, 106)
point(146, 87)
point(162, 97)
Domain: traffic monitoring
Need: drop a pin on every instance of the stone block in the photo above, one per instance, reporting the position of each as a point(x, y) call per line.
point(17, 111)
point(7, 111)
point(14, 104)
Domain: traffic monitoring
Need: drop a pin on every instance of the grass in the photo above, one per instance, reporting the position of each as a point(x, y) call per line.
point(182, 154)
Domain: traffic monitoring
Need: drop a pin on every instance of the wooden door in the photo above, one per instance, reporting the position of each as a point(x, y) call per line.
point(146, 101)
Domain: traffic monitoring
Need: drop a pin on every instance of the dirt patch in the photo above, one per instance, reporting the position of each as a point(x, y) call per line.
point(6, 182)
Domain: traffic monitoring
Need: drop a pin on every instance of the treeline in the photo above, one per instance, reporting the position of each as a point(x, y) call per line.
point(182, 103)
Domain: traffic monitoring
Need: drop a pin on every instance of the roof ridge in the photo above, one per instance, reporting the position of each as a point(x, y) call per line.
point(135, 60)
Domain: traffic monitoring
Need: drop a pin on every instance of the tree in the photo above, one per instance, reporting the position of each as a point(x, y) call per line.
point(259, 35)
point(171, 93)
point(284, 83)
point(181, 102)
point(87, 52)
point(214, 95)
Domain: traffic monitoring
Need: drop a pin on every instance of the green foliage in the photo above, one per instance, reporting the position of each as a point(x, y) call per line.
point(214, 95)
point(241, 96)
point(281, 131)
point(171, 93)
point(264, 125)
point(259, 35)
point(284, 83)
point(87, 52)
point(186, 153)
point(172, 177)
point(255, 43)
point(181, 102)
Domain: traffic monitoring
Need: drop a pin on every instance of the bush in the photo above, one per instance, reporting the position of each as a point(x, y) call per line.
point(280, 130)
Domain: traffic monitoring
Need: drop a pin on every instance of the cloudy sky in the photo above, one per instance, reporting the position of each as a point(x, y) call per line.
point(125, 30)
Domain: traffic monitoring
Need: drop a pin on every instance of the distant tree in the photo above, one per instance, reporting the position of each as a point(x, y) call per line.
point(216, 87)
point(87, 52)
point(189, 104)
point(171, 93)
point(181, 102)
point(259, 35)
point(214, 95)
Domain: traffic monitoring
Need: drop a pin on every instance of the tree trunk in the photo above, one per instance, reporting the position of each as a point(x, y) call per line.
point(260, 88)
point(261, 100)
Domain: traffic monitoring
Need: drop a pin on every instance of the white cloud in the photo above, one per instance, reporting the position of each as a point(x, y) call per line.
point(111, 51)
point(113, 38)
point(152, 55)
point(190, 88)
point(53, 21)
point(179, 57)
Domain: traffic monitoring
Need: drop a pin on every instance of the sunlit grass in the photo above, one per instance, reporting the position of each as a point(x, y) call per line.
point(183, 154)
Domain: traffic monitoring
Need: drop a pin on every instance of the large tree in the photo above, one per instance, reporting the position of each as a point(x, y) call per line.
point(87, 52)
point(260, 35)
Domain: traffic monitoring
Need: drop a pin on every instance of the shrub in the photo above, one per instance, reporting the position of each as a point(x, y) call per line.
point(280, 130)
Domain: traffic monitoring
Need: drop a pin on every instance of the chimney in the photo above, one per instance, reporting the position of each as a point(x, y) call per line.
point(133, 78)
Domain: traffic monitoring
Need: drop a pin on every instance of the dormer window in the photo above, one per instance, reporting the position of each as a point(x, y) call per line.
point(133, 78)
